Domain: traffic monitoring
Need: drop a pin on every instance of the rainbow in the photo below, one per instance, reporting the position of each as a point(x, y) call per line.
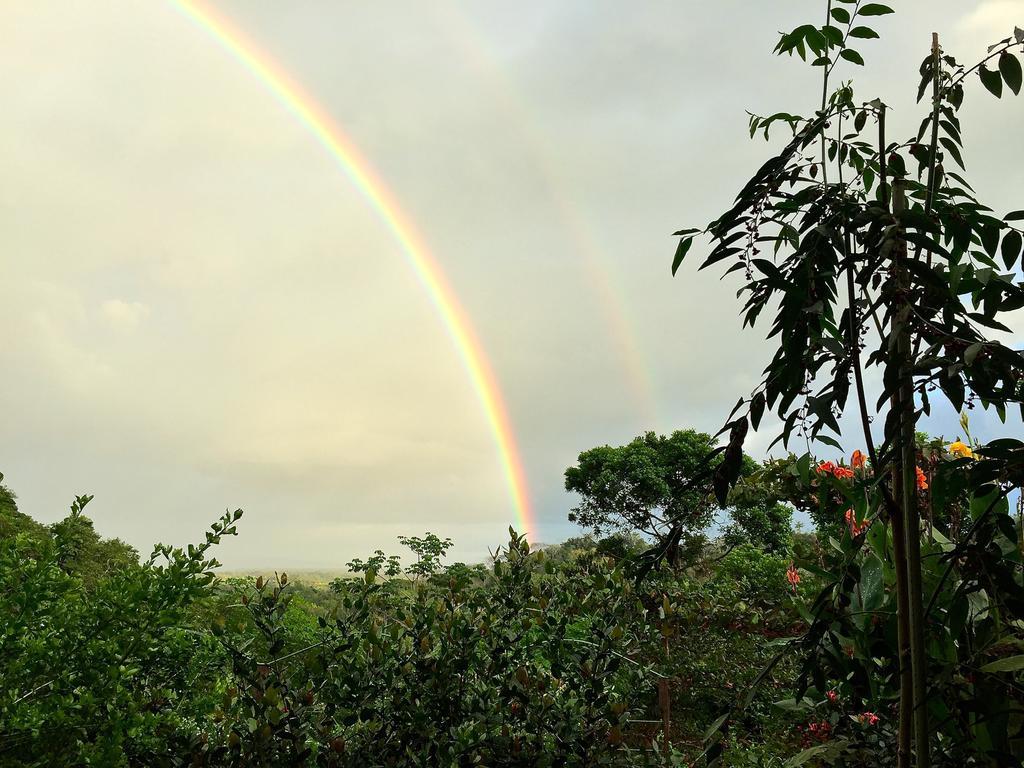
point(316, 120)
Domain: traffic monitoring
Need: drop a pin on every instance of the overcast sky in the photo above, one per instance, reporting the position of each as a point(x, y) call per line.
point(200, 311)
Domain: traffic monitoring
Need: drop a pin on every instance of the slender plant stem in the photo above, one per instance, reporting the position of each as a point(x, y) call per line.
point(998, 52)
point(899, 537)
point(934, 143)
point(858, 375)
point(884, 181)
point(907, 417)
point(824, 97)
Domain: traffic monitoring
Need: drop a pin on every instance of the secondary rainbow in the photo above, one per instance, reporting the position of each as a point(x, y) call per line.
point(362, 174)
point(598, 267)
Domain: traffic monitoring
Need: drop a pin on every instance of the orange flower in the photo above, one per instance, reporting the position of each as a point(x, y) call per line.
point(836, 470)
point(857, 460)
point(922, 480)
point(793, 575)
point(855, 528)
point(961, 449)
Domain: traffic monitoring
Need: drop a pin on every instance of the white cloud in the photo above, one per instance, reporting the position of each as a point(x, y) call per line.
point(124, 315)
point(992, 20)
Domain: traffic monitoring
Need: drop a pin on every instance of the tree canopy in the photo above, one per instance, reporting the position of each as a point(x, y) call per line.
point(654, 482)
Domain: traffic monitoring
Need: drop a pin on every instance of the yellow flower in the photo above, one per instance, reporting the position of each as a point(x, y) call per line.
point(961, 449)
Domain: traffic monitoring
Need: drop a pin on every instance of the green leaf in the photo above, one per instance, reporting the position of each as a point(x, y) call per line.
point(713, 728)
point(952, 149)
point(864, 33)
point(1011, 247)
point(756, 409)
point(792, 705)
point(828, 749)
point(872, 585)
point(990, 239)
point(1009, 664)
point(1009, 68)
point(851, 55)
point(1014, 216)
point(803, 467)
point(828, 441)
point(956, 616)
point(991, 80)
point(833, 34)
point(681, 249)
point(841, 15)
point(815, 40)
point(972, 352)
point(875, 9)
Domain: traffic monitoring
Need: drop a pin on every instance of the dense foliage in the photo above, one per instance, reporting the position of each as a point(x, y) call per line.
point(95, 659)
point(864, 246)
point(891, 634)
point(549, 657)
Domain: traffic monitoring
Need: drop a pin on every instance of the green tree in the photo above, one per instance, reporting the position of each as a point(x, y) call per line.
point(83, 552)
point(654, 483)
point(767, 526)
point(97, 674)
point(645, 485)
point(12, 521)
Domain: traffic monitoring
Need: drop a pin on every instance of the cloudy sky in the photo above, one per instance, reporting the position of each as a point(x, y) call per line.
point(201, 311)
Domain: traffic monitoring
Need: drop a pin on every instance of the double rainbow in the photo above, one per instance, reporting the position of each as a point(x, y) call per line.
point(361, 173)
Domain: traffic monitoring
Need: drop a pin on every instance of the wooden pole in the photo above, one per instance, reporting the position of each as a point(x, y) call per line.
point(665, 704)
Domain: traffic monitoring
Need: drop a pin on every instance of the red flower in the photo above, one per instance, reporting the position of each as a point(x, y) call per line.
point(833, 697)
point(855, 528)
point(826, 468)
point(857, 460)
point(793, 575)
point(820, 730)
point(868, 718)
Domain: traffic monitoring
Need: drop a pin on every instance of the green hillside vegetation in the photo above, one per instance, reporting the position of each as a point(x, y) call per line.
point(575, 654)
point(313, 577)
point(547, 657)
